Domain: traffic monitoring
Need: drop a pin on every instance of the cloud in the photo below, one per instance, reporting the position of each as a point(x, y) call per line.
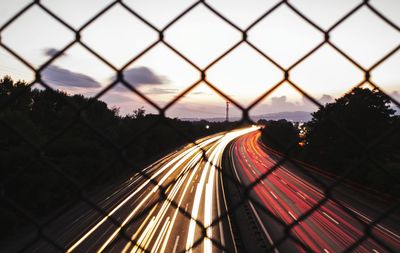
point(117, 98)
point(282, 104)
point(66, 78)
point(143, 76)
point(323, 100)
point(161, 91)
point(199, 93)
point(326, 99)
point(52, 52)
point(282, 100)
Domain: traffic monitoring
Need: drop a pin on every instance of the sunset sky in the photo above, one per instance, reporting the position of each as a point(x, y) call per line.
point(201, 36)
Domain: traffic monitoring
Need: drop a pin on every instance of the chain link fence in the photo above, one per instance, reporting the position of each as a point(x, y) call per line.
point(119, 150)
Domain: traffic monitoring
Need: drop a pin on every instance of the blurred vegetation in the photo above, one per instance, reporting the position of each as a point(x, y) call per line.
point(357, 136)
point(50, 150)
point(281, 135)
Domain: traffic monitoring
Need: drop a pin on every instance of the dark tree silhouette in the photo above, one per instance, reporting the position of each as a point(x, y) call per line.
point(281, 135)
point(139, 113)
point(357, 135)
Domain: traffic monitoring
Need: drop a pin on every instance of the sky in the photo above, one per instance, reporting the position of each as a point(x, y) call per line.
point(161, 75)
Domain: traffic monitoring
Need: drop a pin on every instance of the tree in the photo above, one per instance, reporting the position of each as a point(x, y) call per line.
point(281, 135)
point(139, 113)
point(15, 95)
point(349, 135)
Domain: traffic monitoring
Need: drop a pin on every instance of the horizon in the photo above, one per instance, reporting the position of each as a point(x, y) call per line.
point(300, 116)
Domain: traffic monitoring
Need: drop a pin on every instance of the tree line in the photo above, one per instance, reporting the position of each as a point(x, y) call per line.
point(357, 136)
point(51, 149)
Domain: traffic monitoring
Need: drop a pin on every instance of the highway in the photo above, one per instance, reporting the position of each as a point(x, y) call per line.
point(285, 194)
point(175, 207)
point(181, 202)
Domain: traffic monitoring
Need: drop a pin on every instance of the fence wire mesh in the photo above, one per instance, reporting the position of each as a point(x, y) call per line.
point(245, 190)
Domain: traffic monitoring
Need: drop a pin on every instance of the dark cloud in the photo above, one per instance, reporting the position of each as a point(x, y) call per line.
point(51, 52)
point(143, 76)
point(63, 77)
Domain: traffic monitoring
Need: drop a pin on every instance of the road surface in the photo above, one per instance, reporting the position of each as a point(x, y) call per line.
point(285, 194)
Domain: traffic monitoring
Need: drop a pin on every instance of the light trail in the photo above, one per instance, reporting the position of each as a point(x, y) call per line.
point(160, 236)
point(287, 195)
point(179, 204)
point(166, 204)
point(158, 230)
point(214, 159)
point(178, 158)
point(144, 201)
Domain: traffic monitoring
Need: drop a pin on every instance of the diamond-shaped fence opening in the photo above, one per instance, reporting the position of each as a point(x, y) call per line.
point(284, 30)
point(33, 51)
point(357, 42)
point(340, 80)
point(113, 36)
point(219, 36)
point(251, 84)
point(171, 205)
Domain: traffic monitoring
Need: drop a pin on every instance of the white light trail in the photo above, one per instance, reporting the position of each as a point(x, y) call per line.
point(141, 187)
point(209, 168)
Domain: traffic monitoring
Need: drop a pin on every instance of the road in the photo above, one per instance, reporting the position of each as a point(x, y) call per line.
point(181, 204)
point(180, 199)
point(285, 194)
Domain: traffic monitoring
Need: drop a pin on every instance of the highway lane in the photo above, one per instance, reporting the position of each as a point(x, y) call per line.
point(283, 196)
point(170, 210)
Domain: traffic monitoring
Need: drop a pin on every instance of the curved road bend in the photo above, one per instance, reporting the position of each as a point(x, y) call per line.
point(286, 195)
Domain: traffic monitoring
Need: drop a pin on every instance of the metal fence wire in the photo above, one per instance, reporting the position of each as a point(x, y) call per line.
point(163, 196)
